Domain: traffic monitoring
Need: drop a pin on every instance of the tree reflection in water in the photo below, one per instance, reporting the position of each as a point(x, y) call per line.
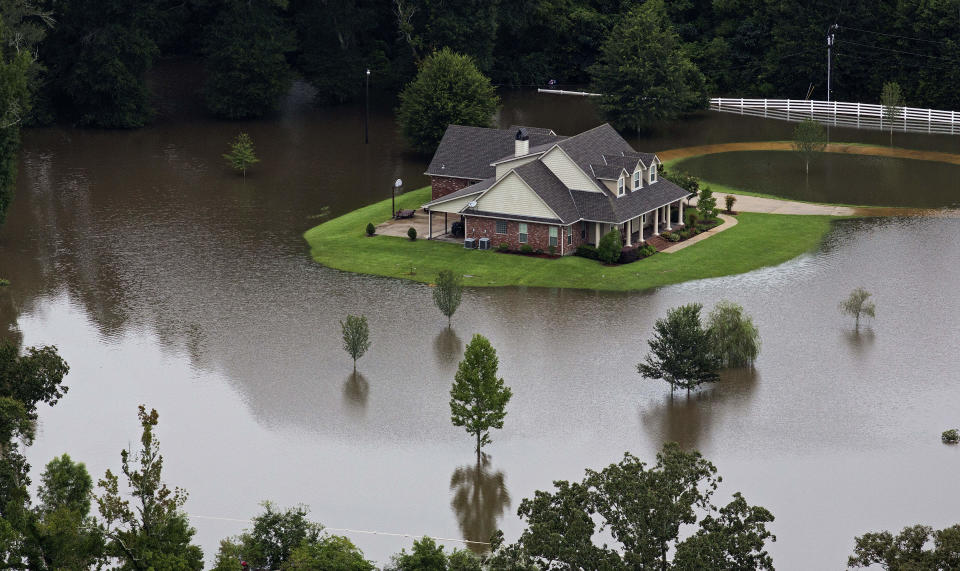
point(448, 346)
point(687, 419)
point(860, 340)
point(480, 497)
point(355, 391)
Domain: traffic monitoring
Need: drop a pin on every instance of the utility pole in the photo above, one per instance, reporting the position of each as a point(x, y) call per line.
point(829, 46)
point(366, 117)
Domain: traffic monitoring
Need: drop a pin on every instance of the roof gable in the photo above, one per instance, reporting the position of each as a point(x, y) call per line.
point(467, 152)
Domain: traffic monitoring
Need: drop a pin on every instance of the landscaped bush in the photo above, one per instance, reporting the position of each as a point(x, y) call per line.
point(951, 436)
point(646, 251)
point(503, 247)
point(730, 199)
point(4, 282)
point(456, 229)
point(412, 233)
point(610, 246)
point(670, 236)
point(684, 234)
point(628, 256)
point(538, 251)
point(371, 229)
point(691, 217)
point(552, 250)
point(587, 251)
point(526, 249)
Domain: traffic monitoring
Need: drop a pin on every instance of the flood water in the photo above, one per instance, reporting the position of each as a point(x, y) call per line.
point(165, 279)
point(848, 179)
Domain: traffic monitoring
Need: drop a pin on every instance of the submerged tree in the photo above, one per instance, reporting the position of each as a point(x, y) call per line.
point(892, 100)
point(680, 351)
point(858, 305)
point(908, 549)
point(733, 336)
point(644, 73)
point(478, 398)
point(448, 293)
point(448, 90)
point(356, 337)
point(66, 535)
point(241, 155)
point(155, 532)
point(809, 138)
point(15, 100)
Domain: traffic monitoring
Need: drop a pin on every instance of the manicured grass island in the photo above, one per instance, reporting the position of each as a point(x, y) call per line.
point(758, 240)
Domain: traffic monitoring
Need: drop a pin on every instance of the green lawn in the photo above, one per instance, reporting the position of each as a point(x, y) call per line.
point(758, 240)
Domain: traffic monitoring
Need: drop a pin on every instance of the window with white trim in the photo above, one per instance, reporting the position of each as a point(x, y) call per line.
point(653, 172)
point(553, 236)
point(569, 235)
point(620, 186)
point(636, 179)
point(501, 226)
point(522, 231)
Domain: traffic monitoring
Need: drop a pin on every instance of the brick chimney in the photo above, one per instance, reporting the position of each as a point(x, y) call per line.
point(522, 143)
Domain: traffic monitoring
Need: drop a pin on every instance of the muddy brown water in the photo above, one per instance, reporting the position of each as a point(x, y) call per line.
point(166, 279)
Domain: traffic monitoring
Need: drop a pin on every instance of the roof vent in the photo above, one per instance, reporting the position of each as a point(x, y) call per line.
point(522, 134)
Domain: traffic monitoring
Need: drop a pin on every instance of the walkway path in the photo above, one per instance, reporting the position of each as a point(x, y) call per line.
point(728, 222)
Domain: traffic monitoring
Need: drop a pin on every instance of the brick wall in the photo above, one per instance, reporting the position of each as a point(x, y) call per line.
point(444, 185)
point(574, 229)
point(538, 235)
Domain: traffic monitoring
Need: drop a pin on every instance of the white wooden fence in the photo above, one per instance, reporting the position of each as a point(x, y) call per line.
point(841, 114)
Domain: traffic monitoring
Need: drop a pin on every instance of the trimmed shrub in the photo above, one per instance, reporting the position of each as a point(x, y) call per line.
point(730, 199)
point(371, 229)
point(552, 250)
point(684, 234)
point(610, 246)
point(691, 217)
point(629, 256)
point(456, 229)
point(670, 236)
point(951, 436)
point(526, 249)
point(538, 251)
point(587, 251)
point(412, 233)
point(503, 247)
point(646, 251)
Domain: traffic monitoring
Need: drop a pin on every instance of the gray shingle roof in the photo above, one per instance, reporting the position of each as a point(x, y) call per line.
point(466, 152)
point(531, 130)
point(588, 147)
point(548, 187)
point(606, 172)
point(603, 207)
point(645, 158)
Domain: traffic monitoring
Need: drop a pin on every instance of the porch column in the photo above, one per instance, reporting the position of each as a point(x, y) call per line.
point(668, 210)
point(429, 224)
point(629, 232)
point(444, 222)
point(681, 212)
point(656, 222)
point(596, 232)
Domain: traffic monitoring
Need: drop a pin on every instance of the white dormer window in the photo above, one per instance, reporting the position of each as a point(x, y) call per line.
point(636, 179)
point(653, 172)
point(620, 185)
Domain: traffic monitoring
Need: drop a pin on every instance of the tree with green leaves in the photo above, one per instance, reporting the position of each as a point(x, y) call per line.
point(356, 337)
point(684, 180)
point(448, 90)
point(245, 57)
point(66, 535)
point(707, 205)
point(643, 508)
point(427, 555)
point(809, 138)
point(858, 305)
point(97, 56)
point(447, 293)
point(644, 73)
point(154, 532)
point(478, 398)
point(908, 549)
point(610, 246)
point(680, 351)
point(891, 99)
point(242, 154)
point(733, 337)
point(15, 104)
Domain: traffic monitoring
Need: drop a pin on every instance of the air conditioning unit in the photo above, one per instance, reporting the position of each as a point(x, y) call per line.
point(484, 243)
point(469, 243)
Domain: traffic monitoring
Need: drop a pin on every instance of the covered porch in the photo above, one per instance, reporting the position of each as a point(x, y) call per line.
point(666, 218)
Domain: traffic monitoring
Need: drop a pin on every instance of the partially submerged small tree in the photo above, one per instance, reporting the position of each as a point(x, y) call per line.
point(908, 549)
point(892, 100)
point(809, 138)
point(858, 305)
point(608, 250)
point(356, 337)
point(448, 293)
point(478, 397)
point(680, 351)
point(241, 155)
point(734, 338)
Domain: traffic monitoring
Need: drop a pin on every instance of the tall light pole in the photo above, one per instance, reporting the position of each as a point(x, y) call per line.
point(393, 195)
point(366, 117)
point(829, 46)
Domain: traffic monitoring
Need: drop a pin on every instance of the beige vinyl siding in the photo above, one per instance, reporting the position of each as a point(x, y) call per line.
point(512, 196)
point(611, 186)
point(505, 167)
point(567, 171)
point(455, 205)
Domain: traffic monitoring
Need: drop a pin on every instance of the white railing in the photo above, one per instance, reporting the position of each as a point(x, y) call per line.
point(842, 114)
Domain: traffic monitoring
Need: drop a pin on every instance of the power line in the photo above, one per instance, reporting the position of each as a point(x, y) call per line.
point(938, 42)
point(951, 60)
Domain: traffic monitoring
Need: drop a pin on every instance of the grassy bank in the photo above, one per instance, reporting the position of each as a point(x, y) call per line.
point(757, 240)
